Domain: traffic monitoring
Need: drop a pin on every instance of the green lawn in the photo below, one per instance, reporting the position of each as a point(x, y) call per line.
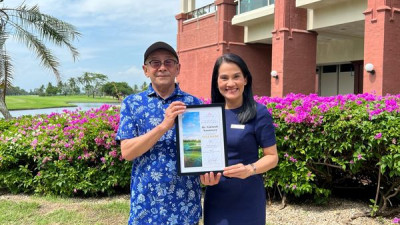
point(38, 102)
point(17, 209)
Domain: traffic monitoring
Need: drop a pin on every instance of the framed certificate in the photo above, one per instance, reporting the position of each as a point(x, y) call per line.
point(201, 139)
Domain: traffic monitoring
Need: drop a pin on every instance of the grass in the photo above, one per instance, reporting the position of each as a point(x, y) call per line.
point(40, 102)
point(33, 210)
point(46, 210)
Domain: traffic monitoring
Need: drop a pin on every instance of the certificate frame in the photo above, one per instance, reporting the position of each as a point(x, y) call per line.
point(201, 139)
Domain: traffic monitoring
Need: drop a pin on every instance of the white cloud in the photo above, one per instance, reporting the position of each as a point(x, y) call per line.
point(132, 75)
point(88, 53)
point(115, 34)
point(89, 13)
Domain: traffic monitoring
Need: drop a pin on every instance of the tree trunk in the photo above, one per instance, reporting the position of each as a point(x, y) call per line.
point(2, 92)
point(4, 110)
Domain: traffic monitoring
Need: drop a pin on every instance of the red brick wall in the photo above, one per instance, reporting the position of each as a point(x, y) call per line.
point(391, 58)
point(197, 33)
point(258, 60)
point(196, 70)
point(294, 51)
point(381, 47)
point(197, 49)
point(201, 41)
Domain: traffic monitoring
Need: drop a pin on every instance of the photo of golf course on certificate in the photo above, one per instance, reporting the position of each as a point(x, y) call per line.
point(201, 139)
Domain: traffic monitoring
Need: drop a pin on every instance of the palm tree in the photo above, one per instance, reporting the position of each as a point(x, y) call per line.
point(144, 86)
point(99, 80)
point(72, 86)
point(32, 28)
point(86, 80)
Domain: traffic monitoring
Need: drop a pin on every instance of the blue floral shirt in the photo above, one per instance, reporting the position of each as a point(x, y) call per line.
point(158, 195)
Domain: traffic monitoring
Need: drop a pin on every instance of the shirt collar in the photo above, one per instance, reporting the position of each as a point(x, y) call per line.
point(177, 92)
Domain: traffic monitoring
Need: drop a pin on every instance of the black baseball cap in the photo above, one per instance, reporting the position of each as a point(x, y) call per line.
point(160, 45)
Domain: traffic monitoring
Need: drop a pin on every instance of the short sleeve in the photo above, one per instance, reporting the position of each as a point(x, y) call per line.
point(198, 101)
point(191, 100)
point(126, 128)
point(265, 130)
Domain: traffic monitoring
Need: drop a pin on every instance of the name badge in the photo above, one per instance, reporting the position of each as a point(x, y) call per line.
point(237, 126)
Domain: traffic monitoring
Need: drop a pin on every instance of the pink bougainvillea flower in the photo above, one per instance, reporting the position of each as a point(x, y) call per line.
point(378, 136)
point(113, 153)
point(34, 143)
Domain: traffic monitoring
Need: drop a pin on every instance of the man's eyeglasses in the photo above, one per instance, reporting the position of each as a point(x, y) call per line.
point(168, 63)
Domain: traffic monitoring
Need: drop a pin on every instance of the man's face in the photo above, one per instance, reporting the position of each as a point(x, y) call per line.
point(161, 67)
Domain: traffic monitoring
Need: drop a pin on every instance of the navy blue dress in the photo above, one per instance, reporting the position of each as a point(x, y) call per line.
point(241, 201)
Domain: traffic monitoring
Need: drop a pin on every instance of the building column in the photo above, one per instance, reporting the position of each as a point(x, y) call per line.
point(231, 40)
point(180, 18)
point(187, 6)
point(381, 47)
point(294, 51)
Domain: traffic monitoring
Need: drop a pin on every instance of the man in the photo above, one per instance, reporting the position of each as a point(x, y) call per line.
point(158, 195)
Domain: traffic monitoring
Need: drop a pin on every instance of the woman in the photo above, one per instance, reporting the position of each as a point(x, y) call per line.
point(239, 196)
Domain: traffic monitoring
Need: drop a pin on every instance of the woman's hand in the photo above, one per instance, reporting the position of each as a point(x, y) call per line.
point(239, 171)
point(209, 179)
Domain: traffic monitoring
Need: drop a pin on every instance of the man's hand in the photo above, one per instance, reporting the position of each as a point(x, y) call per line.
point(173, 110)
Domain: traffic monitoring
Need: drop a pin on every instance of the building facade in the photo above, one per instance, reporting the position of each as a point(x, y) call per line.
point(308, 46)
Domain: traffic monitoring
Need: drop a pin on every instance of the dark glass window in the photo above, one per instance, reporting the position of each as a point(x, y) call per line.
point(346, 68)
point(329, 69)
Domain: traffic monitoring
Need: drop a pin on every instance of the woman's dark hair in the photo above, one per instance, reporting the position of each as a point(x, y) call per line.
point(248, 109)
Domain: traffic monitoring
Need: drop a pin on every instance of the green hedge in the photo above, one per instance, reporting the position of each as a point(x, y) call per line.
point(323, 142)
point(72, 153)
point(341, 141)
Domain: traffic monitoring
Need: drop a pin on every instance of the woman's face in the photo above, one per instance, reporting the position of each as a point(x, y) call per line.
point(231, 84)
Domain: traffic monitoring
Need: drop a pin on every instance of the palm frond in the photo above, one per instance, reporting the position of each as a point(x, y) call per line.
point(8, 69)
point(5, 73)
point(43, 53)
point(47, 27)
point(3, 37)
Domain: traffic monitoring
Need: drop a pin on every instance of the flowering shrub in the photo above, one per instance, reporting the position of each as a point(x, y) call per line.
point(325, 142)
point(72, 153)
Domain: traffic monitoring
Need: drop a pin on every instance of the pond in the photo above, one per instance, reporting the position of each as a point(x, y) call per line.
point(81, 106)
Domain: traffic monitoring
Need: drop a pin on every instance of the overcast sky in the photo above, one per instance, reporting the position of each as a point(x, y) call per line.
point(115, 34)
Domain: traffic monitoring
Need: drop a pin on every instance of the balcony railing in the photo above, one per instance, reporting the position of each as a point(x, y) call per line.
point(210, 8)
point(248, 5)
